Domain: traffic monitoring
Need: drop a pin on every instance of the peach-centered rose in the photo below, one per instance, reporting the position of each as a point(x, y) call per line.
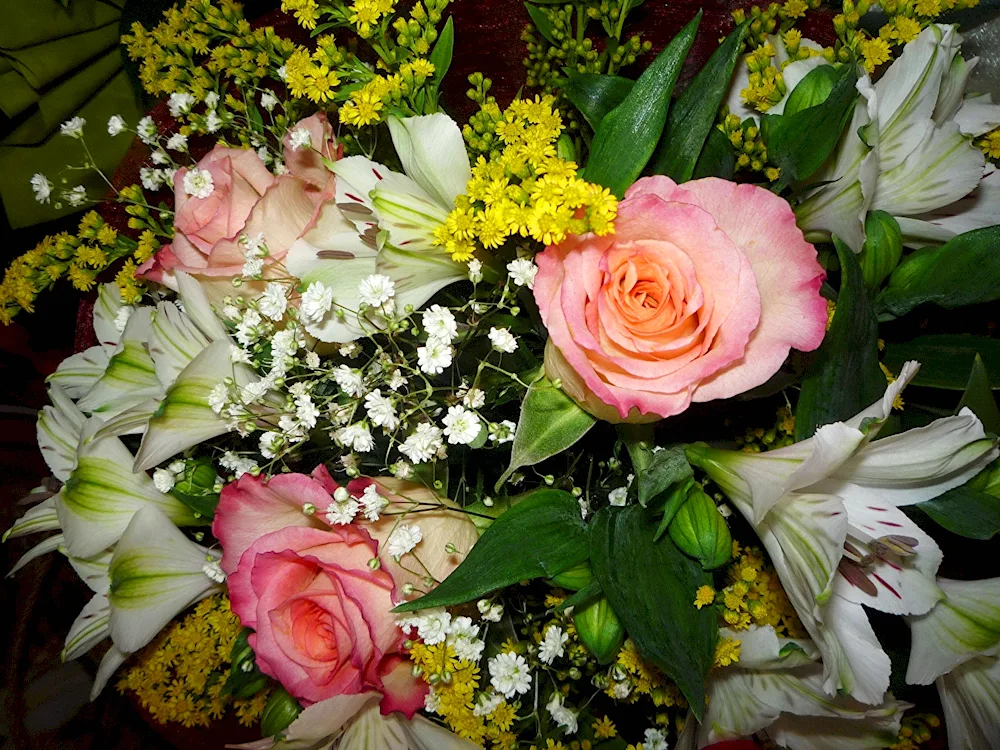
point(246, 200)
point(698, 295)
point(320, 608)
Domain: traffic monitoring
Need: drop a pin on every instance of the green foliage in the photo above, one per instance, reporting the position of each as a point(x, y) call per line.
point(699, 530)
point(882, 250)
point(946, 359)
point(595, 95)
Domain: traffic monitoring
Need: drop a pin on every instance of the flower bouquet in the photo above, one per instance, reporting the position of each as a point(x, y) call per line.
point(579, 424)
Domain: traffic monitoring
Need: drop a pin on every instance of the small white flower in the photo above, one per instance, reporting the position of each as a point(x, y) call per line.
point(474, 398)
point(41, 187)
point(159, 156)
point(463, 627)
point(122, 316)
point(316, 302)
point(151, 179)
point(300, 138)
point(375, 290)
point(312, 360)
point(342, 512)
point(237, 356)
point(522, 272)
point(654, 740)
point(237, 464)
point(562, 716)
point(469, 649)
point(494, 613)
point(503, 340)
point(273, 302)
point(423, 444)
point(73, 127)
point(461, 426)
point(270, 444)
point(486, 704)
point(617, 496)
point(283, 72)
point(268, 100)
point(552, 644)
point(77, 196)
point(255, 391)
point(218, 397)
point(439, 323)
point(198, 183)
point(254, 246)
point(180, 103)
point(401, 470)
point(177, 142)
point(372, 503)
point(306, 411)
point(381, 411)
point(164, 480)
point(502, 432)
point(349, 350)
point(279, 167)
point(620, 691)
point(350, 381)
point(509, 674)
point(432, 626)
point(475, 270)
point(213, 570)
point(396, 380)
point(116, 125)
point(432, 701)
point(211, 99)
point(403, 539)
point(213, 122)
point(434, 356)
point(356, 436)
point(147, 130)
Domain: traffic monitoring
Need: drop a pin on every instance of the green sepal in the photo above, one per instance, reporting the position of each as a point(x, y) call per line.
point(599, 629)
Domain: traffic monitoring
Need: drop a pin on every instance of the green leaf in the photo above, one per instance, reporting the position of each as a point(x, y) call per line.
point(963, 271)
point(550, 423)
point(595, 95)
point(442, 53)
point(966, 512)
point(677, 497)
point(540, 536)
point(666, 467)
point(945, 359)
point(651, 586)
point(628, 134)
point(882, 249)
point(717, 158)
point(845, 376)
point(693, 114)
point(814, 89)
point(799, 143)
point(979, 397)
point(541, 22)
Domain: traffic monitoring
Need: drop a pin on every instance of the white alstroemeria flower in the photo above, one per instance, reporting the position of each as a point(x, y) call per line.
point(830, 505)
point(957, 645)
point(792, 74)
point(909, 151)
point(383, 222)
point(776, 687)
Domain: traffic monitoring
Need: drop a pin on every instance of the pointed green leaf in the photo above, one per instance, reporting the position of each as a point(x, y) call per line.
point(595, 95)
point(651, 586)
point(666, 467)
point(443, 51)
point(541, 536)
point(550, 423)
point(964, 511)
point(541, 22)
point(946, 359)
point(812, 90)
point(979, 397)
point(963, 271)
point(693, 114)
point(717, 158)
point(845, 376)
point(629, 133)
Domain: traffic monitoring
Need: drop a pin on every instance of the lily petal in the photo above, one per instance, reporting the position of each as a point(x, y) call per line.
point(433, 154)
point(198, 307)
point(90, 628)
point(78, 373)
point(42, 548)
point(980, 208)
point(853, 659)
point(106, 307)
point(42, 517)
point(58, 432)
point(174, 340)
point(156, 573)
point(970, 695)
point(109, 665)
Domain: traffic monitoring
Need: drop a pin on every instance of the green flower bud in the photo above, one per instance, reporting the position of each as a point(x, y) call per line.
point(565, 148)
point(281, 710)
point(600, 630)
point(575, 578)
point(882, 250)
point(699, 530)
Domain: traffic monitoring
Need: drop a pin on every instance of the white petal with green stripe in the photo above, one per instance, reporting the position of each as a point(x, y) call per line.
point(42, 548)
point(78, 374)
point(131, 421)
point(174, 340)
point(58, 431)
point(102, 494)
point(109, 664)
point(91, 627)
point(106, 311)
point(42, 517)
point(131, 375)
point(156, 572)
point(184, 417)
point(93, 571)
point(198, 308)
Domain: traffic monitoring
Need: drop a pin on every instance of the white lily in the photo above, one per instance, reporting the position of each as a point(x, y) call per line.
point(908, 150)
point(383, 222)
point(957, 645)
point(102, 494)
point(776, 688)
point(58, 432)
point(829, 505)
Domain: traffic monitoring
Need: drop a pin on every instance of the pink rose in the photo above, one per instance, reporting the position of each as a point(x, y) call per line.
point(321, 613)
point(246, 199)
point(699, 295)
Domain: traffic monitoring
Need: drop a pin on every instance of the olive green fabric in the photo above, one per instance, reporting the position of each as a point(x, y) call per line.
point(57, 63)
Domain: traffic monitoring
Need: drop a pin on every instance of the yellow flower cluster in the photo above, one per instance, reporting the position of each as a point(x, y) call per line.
point(645, 680)
point(180, 675)
point(80, 258)
point(990, 144)
point(454, 682)
point(727, 652)
point(751, 153)
point(915, 730)
point(524, 189)
point(759, 439)
point(754, 596)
